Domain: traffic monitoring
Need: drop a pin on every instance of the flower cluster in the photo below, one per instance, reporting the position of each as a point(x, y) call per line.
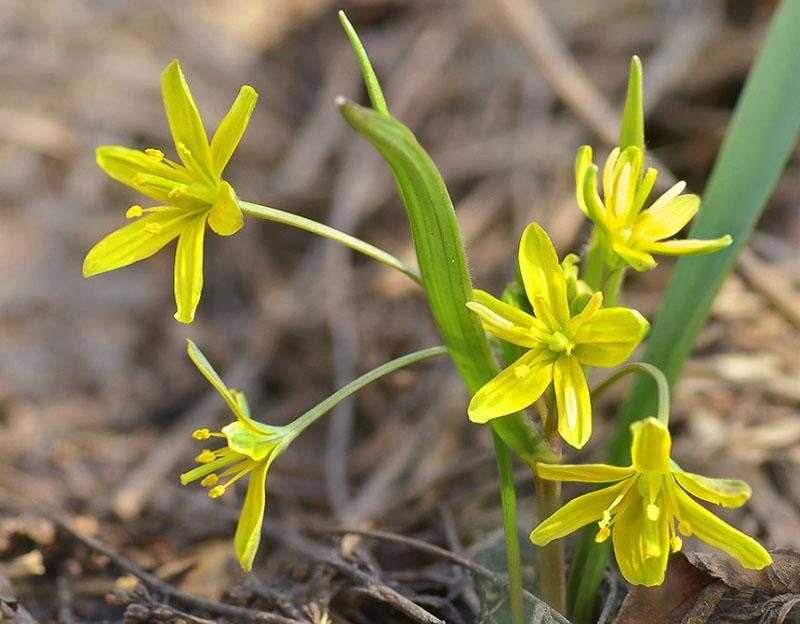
point(560, 339)
point(250, 449)
point(629, 233)
point(640, 511)
point(189, 195)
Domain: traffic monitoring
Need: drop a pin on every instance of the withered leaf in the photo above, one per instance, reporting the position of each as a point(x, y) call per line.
point(782, 577)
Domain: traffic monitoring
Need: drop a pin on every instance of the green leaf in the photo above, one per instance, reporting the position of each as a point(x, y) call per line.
point(370, 79)
point(632, 130)
point(760, 138)
point(442, 262)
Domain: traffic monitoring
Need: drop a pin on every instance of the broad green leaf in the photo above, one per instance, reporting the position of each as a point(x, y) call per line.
point(632, 130)
point(442, 262)
point(762, 133)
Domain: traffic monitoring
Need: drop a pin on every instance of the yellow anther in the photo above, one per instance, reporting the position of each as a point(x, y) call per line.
point(210, 481)
point(183, 149)
point(217, 491)
point(685, 528)
point(201, 434)
point(205, 457)
point(153, 228)
point(176, 192)
point(138, 179)
point(606, 520)
point(653, 512)
point(155, 154)
point(675, 543)
point(602, 535)
point(521, 371)
point(133, 212)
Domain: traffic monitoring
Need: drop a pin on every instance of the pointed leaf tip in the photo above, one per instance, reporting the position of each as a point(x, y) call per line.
point(632, 127)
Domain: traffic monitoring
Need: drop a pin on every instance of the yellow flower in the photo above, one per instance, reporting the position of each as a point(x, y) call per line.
point(251, 447)
point(639, 511)
point(189, 194)
point(559, 340)
point(629, 233)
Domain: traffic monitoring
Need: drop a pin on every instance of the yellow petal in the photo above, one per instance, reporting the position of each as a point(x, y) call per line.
point(651, 446)
point(126, 165)
point(669, 220)
point(232, 127)
point(248, 530)
point(184, 120)
point(135, 241)
point(577, 513)
point(638, 259)
point(591, 307)
point(609, 171)
point(609, 336)
point(725, 492)
point(542, 275)
point(641, 545)
point(643, 190)
point(515, 387)
point(587, 473)
point(504, 320)
point(572, 399)
point(594, 205)
point(689, 246)
point(714, 531)
point(225, 217)
point(189, 269)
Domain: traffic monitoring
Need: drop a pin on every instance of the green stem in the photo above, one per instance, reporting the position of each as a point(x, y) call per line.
point(648, 369)
point(548, 500)
point(612, 283)
point(320, 229)
point(302, 422)
point(508, 500)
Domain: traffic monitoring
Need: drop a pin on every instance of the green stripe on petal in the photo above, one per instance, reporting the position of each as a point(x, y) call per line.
point(504, 320)
point(231, 128)
point(720, 534)
point(689, 246)
point(184, 121)
point(651, 446)
point(135, 241)
point(189, 270)
point(583, 160)
point(577, 513)
point(248, 530)
point(725, 492)
point(586, 473)
point(641, 545)
point(572, 399)
point(672, 218)
point(125, 165)
point(542, 274)
point(225, 217)
point(514, 388)
point(639, 260)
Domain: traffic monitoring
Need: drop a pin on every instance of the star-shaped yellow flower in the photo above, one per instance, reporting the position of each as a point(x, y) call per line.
point(251, 447)
point(639, 511)
point(629, 233)
point(559, 340)
point(189, 194)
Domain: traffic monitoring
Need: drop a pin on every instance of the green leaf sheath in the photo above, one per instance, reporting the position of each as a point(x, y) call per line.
point(442, 263)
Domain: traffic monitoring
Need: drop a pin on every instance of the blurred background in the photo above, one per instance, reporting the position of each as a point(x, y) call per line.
point(98, 399)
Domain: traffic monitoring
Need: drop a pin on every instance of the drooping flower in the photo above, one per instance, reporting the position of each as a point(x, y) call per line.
point(189, 195)
point(250, 449)
point(630, 233)
point(559, 340)
point(639, 512)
